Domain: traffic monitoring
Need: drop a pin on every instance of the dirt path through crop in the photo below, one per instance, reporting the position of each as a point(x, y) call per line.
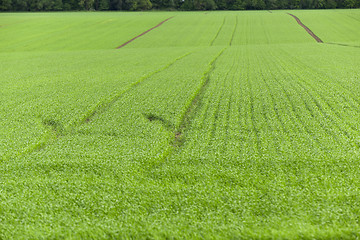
point(124, 44)
point(306, 28)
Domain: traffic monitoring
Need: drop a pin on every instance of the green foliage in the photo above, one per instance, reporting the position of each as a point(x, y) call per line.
point(5, 5)
point(139, 5)
point(86, 4)
point(102, 5)
point(224, 125)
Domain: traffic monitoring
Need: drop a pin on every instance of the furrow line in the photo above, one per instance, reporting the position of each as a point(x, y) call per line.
point(343, 45)
point(321, 109)
point(293, 108)
point(228, 112)
point(314, 100)
point(280, 63)
point(252, 111)
point(297, 116)
point(274, 106)
point(329, 86)
point(218, 32)
point(161, 23)
point(318, 106)
point(282, 126)
point(205, 115)
point(225, 79)
point(273, 101)
point(306, 28)
point(352, 17)
point(332, 109)
point(328, 116)
point(214, 117)
point(233, 33)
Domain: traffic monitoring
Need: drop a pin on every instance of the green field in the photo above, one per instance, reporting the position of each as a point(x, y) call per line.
point(234, 125)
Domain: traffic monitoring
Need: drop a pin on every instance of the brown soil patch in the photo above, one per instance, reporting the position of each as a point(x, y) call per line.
point(124, 44)
point(177, 135)
point(306, 28)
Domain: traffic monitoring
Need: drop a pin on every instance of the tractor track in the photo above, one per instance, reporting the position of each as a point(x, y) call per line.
point(131, 40)
point(313, 35)
point(217, 34)
point(55, 130)
point(190, 109)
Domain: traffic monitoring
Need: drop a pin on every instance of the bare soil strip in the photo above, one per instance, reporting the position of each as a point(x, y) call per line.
point(124, 44)
point(306, 28)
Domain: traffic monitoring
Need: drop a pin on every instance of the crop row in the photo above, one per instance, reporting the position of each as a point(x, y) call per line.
point(273, 141)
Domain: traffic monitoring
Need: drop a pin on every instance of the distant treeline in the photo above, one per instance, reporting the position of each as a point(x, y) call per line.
point(134, 5)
